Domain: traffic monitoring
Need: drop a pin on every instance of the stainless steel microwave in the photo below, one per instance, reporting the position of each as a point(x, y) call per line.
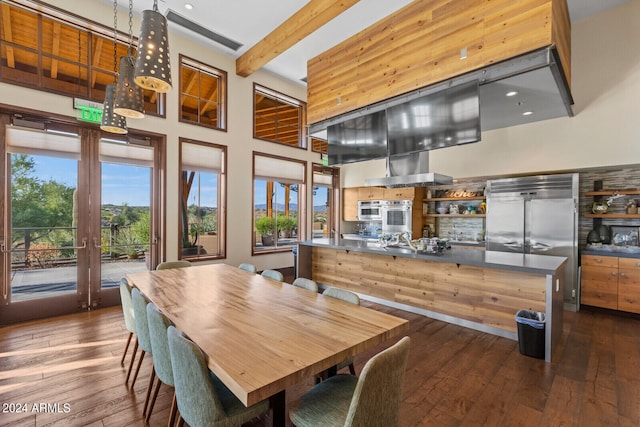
point(370, 210)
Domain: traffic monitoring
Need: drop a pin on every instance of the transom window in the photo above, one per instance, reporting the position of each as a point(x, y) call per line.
point(203, 94)
point(202, 200)
point(319, 145)
point(278, 203)
point(278, 117)
point(56, 51)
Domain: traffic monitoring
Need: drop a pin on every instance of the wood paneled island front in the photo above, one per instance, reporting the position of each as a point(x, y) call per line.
point(482, 290)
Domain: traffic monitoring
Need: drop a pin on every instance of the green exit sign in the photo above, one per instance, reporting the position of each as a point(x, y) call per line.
point(88, 111)
point(91, 115)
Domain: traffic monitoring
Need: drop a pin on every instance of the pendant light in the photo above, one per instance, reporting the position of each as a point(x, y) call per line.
point(153, 67)
point(129, 99)
point(112, 122)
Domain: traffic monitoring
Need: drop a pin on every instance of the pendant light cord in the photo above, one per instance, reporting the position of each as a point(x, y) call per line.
point(115, 40)
point(130, 52)
point(155, 5)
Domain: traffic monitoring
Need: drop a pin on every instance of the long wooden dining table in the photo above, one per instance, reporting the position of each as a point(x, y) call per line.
point(261, 336)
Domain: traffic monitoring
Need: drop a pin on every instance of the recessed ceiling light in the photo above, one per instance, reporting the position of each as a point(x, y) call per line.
point(527, 113)
point(188, 6)
point(512, 93)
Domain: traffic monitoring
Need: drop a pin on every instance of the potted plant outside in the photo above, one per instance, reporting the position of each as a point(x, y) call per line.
point(266, 227)
point(285, 226)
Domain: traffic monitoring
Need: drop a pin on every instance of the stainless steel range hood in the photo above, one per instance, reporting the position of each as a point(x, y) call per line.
point(409, 170)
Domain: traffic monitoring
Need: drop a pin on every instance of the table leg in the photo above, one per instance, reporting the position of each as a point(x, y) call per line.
point(278, 403)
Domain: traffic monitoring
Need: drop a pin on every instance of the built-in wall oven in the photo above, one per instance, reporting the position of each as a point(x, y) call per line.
point(370, 210)
point(396, 216)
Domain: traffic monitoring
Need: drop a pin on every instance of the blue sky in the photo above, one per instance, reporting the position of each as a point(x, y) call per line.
point(121, 183)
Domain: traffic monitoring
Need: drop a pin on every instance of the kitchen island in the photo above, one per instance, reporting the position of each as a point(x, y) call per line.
point(482, 290)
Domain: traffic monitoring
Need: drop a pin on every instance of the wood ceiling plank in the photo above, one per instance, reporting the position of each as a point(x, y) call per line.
point(192, 81)
point(8, 34)
point(305, 21)
point(96, 59)
point(55, 49)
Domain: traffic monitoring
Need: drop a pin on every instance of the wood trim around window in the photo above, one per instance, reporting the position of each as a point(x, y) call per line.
point(222, 210)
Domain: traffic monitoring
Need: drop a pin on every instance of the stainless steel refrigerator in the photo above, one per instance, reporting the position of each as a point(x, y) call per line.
point(537, 215)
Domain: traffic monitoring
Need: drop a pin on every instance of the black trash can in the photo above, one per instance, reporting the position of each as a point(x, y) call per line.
point(531, 328)
point(295, 261)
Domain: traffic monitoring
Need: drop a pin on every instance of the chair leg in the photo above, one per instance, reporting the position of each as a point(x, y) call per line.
point(126, 347)
point(352, 369)
point(153, 400)
point(133, 358)
point(180, 421)
point(152, 377)
point(135, 376)
point(174, 410)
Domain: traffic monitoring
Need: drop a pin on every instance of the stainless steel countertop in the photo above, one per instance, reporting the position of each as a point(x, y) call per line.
point(538, 264)
point(620, 254)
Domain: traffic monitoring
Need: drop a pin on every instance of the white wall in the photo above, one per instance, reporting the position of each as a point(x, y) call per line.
point(603, 132)
point(238, 138)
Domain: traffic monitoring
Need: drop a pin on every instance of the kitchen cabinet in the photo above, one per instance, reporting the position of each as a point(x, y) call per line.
point(629, 284)
point(370, 193)
point(599, 283)
point(403, 193)
point(350, 204)
point(611, 282)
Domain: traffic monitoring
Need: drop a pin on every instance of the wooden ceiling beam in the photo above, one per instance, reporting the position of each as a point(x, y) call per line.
point(305, 21)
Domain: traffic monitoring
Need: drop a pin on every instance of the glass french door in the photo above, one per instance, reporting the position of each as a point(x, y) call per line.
point(77, 216)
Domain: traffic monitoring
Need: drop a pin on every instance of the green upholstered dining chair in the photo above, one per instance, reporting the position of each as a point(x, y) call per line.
point(304, 283)
point(144, 339)
point(203, 400)
point(342, 294)
point(248, 267)
point(273, 274)
point(370, 400)
point(350, 297)
point(129, 323)
point(173, 264)
point(158, 324)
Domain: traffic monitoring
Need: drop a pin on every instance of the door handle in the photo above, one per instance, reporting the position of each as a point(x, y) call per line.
point(95, 243)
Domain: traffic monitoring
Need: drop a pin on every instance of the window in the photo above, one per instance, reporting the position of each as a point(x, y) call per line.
point(319, 145)
point(279, 118)
point(326, 182)
point(202, 196)
point(60, 54)
point(203, 94)
point(278, 203)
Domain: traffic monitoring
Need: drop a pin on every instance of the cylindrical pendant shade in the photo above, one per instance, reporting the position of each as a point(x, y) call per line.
point(112, 122)
point(129, 100)
point(153, 68)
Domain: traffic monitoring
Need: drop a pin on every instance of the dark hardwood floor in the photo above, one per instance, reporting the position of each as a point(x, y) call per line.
point(455, 376)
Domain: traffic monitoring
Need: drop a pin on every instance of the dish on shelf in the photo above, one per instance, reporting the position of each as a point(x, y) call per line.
point(442, 210)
